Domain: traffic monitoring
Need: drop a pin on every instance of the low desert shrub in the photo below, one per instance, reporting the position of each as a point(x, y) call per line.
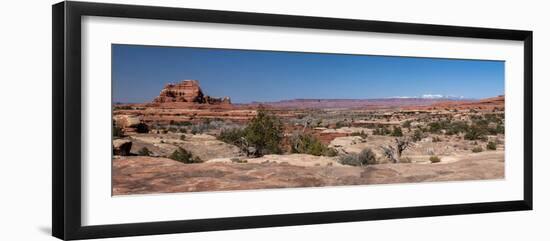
point(142, 128)
point(184, 156)
point(499, 129)
point(450, 128)
point(491, 145)
point(477, 149)
point(435, 159)
point(319, 122)
point(437, 126)
point(117, 132)
point(476, 132)
point(208, 125)
point(308, 144)
point(237, 160)
point(182, 137)
point(199, 128)
point(381, 131)
point(397, 131)
point(456, 127)
point(417, 135)
point(341, 124)
point(186, 123)
point(265, 133)
point(365, 157)
point(496, 125)
point(231, 136)
point(144, 152)
point(407, 124)
point(330, 152)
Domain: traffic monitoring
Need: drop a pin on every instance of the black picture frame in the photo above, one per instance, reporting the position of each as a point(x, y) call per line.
point(66, 159)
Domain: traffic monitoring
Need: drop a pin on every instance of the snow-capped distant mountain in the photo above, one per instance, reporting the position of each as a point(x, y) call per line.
point(429, 96)
point(439, 96)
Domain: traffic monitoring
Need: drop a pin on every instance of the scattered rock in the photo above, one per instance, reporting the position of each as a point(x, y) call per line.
point(127, 121)
point(122, 147)
point(304, 160)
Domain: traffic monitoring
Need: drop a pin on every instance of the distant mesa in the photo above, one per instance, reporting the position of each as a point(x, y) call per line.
point(188, 91)
point(493, 103)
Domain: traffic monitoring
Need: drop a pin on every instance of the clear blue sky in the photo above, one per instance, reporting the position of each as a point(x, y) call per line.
point(140, 72)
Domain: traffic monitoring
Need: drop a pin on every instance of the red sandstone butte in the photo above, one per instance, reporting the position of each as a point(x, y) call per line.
point(187, 91)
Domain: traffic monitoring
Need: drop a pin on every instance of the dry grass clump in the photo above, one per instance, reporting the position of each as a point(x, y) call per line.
point(365, 157)
point(435, 159)
point(477, 149)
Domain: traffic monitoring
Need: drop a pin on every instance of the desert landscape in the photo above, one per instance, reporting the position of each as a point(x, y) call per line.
point(187, 141)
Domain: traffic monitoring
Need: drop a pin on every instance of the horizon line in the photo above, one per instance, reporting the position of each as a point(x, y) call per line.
point(343, 99)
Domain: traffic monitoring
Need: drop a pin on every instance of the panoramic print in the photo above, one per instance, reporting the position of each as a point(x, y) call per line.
point(188, 119)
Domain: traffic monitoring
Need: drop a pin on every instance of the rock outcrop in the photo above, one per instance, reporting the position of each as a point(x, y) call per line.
point(127, 121)
point(187, 91)
point(122, 147)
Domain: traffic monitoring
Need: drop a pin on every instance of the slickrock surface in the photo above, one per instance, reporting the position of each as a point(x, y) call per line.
point(204, 146)
point(143, 175)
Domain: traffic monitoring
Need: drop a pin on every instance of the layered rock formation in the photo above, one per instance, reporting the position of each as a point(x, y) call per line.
point(187, 91)
point(494, 103)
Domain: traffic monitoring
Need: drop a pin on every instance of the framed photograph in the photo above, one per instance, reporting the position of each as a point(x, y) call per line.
point(172, 120)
